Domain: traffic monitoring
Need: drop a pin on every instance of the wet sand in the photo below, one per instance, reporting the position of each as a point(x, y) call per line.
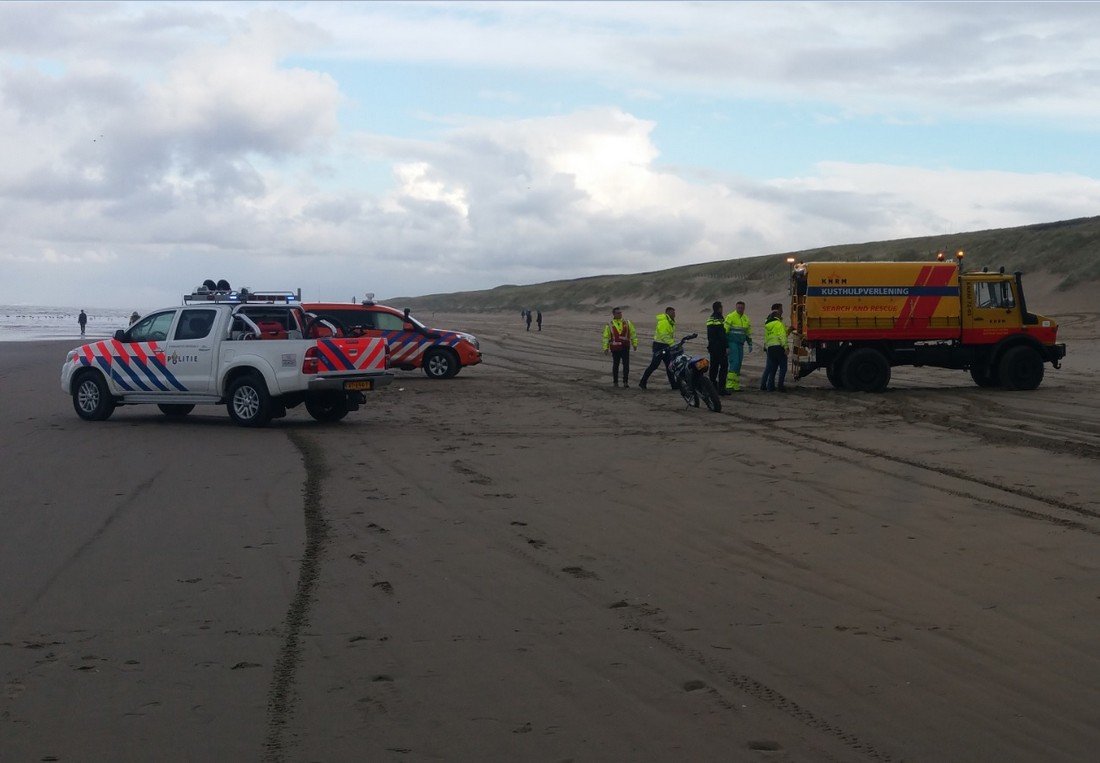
point(524, 563)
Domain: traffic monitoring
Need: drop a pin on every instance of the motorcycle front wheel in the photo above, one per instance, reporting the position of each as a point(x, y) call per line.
point(710, 395)
point(688, 393)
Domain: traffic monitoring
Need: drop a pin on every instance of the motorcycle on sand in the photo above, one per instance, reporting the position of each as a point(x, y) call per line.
point(690, 375)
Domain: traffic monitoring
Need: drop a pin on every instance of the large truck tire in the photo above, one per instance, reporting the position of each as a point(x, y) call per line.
point(1021, 368)
point(866, 370)
point(983, 376)
point(832, 373)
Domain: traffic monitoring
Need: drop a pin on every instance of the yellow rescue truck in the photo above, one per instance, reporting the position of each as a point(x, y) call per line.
point(857, 320)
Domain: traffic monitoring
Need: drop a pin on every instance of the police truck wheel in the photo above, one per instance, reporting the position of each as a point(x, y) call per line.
point(984, 377)
point(440, 364)
point(866, 370)
point(331, 406)
point(1021, 368)
point(710, 395)
point(249, 402)
point(91, 398)
point(832, 372)
point(176, 409)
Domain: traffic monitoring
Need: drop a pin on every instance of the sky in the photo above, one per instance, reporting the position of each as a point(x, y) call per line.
point(416, 148)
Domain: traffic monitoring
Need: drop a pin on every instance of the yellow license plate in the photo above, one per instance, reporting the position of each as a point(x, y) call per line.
point(359, 385)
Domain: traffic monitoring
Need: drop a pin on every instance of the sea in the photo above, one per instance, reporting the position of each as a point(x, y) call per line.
point(31, 323)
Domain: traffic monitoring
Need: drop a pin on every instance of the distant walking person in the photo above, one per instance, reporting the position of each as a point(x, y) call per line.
point(716, 346)
point(664, 336)
point(738, 334)
point(539, 320)
point(82, 319)
point(528, 317)
point(134, 317)
point(618, 338)
point(775, 344)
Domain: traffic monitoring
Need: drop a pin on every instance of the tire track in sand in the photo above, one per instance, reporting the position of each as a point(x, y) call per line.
point(281, 693)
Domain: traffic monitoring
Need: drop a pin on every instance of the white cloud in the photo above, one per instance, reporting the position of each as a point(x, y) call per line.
point(162, 145)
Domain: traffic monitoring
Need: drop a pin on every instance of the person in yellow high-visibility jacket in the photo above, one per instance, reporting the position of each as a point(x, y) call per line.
point(664, 336)
point(775, 344)
point(618, 338)
point(738, 334)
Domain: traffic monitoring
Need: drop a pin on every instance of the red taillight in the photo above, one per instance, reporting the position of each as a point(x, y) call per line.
point(311, 362)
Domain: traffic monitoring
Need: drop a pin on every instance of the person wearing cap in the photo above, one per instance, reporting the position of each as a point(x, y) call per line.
point(716, 346)
point(664, 336)
point(619, 337)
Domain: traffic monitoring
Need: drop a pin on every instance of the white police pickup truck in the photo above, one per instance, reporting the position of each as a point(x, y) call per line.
point(260, 354)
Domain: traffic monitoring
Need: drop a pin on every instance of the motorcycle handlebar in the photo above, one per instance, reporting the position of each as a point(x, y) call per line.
point(680, 344)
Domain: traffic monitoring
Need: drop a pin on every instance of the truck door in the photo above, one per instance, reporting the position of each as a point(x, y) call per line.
point(189, 354)
point(991, 311)
point(140, 355)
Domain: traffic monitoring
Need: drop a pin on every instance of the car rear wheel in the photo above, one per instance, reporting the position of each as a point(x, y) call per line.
point(249, 402)
point(175, 409)
point(91, 398)
point(328, 407)
point(440, 363)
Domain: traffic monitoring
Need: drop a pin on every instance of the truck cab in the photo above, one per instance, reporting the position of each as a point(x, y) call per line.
point(857, 320)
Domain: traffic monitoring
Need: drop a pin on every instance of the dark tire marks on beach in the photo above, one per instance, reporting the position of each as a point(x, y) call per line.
point(282, 693)
point(130, 502)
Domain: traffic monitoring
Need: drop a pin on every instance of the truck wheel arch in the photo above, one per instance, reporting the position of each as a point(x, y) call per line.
point(249, 367)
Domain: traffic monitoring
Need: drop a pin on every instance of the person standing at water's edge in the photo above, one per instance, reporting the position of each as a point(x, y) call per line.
point(538, 319)
point(528, 319)
point(664, 336)
point(619, 337)
point(716, 346)
point(82, 319)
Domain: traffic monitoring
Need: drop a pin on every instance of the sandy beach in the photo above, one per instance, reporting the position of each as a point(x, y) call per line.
point(525, 563)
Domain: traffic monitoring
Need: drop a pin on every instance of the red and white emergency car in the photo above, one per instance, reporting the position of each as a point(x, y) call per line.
point(259, 354)
point(440, 352)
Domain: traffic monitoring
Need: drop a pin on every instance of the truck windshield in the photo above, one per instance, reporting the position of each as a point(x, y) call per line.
point(993, 294)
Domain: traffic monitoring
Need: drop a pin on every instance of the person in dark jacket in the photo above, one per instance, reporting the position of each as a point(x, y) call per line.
point(538, 319)
point(716, 346)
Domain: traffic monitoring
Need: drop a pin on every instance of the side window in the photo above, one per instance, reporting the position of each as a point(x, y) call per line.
point(194, 324)
point(993, 295)
point(152, 328)
point(388, 322)
point(354, 318)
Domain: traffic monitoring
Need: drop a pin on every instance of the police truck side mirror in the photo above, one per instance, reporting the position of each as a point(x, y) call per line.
point(120, 336)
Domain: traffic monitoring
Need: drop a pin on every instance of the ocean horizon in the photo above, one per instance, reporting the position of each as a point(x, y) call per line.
point(28, 323)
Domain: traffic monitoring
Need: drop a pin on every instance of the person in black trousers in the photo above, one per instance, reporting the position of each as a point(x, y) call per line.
point(716, 346)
